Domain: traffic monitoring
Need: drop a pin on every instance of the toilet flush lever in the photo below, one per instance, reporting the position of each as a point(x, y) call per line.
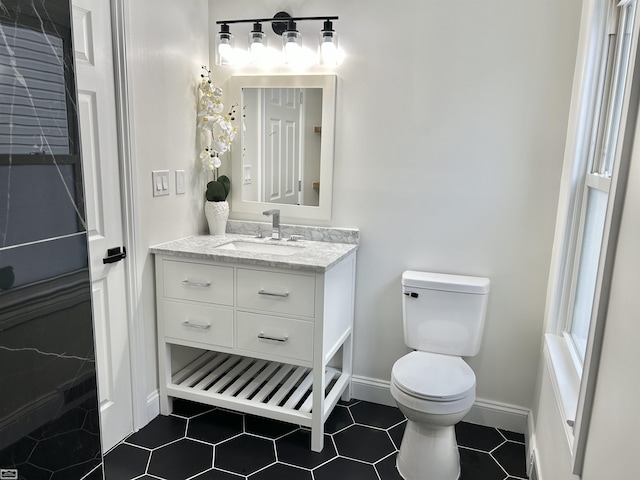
point(411, 294)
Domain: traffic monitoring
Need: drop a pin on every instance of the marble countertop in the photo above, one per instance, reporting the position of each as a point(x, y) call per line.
point(314, 256)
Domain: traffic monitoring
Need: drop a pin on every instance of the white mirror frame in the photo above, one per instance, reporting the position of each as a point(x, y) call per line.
point(248, 210)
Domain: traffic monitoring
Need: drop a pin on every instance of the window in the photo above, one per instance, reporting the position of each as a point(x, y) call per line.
point(598, 148)
point(594, 183)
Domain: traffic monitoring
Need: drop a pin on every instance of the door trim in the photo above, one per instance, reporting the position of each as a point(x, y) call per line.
point(137, 354)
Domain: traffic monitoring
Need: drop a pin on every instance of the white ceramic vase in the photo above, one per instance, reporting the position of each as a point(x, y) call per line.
point(217, 214)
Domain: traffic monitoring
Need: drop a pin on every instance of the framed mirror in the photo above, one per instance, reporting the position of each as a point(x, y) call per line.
point(284, 156)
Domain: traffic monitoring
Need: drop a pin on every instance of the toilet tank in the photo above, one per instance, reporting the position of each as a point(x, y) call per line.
point(444, 313)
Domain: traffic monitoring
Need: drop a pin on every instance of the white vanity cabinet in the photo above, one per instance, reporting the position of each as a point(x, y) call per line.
point(262, 339)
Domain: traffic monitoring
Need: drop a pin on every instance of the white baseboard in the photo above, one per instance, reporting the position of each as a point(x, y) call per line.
point(484, 412)
point(533, 471)
point(153, 405)
point(371, 390)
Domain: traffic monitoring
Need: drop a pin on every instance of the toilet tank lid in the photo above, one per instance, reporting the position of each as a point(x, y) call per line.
point(446, 282)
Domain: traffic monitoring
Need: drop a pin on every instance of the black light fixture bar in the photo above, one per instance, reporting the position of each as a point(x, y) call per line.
point(276, 19)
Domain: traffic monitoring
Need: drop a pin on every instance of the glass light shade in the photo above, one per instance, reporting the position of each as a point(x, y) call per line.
point(257, 46)
point(328, 49)
point(224, 48)
point(292, 45)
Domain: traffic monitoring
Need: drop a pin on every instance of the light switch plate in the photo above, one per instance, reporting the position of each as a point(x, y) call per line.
point(180, 187)
point(246, 175)
point(160, 182)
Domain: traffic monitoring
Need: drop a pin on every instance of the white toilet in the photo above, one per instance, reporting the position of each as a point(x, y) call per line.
point(434, 388)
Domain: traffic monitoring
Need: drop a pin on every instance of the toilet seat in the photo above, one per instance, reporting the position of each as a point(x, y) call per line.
point(434, 377)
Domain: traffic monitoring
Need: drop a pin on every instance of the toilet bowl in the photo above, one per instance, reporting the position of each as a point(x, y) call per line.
point(434, 392)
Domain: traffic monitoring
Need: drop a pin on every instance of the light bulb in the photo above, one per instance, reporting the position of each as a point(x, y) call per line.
point(224, 51)
point(328, 54)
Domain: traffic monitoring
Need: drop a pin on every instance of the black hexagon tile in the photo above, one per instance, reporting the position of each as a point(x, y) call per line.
point(216, 474)
point(295, 449)
point(182, 459)
point(185, 408)
point(216, 426)
point(376, 415)
point(478, 437)
point(479, 466)
point(363, 443)
point(387, 468)
point(245, 454)
point(280, 471)
point(124, 462)
point(514, 437)
point(340, 418)
point(160, 431)
point(266, 427)
point(396, 433)
point(511, 456)
point(345, 468)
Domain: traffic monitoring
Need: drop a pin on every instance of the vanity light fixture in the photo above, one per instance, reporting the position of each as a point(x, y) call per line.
point(282, 24)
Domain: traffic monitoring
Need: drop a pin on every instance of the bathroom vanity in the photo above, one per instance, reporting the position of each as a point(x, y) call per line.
point(267, 325)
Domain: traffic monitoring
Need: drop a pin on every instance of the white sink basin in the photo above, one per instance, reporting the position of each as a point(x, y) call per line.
point(259, 247)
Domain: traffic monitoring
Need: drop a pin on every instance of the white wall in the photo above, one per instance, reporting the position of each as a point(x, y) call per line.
point(613, 433)
point(168, 44)
point(449, 146)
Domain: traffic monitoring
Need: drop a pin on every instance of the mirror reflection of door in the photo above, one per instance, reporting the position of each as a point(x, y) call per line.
point(282, 147)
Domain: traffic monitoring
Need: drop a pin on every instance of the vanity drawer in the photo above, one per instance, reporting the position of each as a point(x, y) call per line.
point(276, 292)
point(197, 323)
point(284, 337)
point(198, 282)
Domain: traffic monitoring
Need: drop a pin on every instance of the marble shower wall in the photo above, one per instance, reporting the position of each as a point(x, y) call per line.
point(49, 415)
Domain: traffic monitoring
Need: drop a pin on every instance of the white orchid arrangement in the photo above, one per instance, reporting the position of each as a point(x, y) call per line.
point(220, 132)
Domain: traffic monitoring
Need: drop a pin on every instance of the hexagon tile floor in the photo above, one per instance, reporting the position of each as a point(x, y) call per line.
point(198, 442)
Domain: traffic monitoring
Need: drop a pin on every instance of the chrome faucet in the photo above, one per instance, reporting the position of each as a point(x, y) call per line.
point(275, 213)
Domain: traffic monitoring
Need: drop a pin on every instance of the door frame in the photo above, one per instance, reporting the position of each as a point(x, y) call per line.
point(124, 118)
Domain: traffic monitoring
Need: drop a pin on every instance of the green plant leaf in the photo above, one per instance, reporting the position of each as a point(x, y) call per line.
point(226, 183)
point(215, 191)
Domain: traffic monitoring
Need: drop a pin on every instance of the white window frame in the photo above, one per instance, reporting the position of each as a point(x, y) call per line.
point(574, 379)
point(596, 172)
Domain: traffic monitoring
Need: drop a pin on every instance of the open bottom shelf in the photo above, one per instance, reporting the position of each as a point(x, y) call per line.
point(276, 390)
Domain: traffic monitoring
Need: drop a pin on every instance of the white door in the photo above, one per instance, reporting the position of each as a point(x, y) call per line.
point(99, 143)
point(282, 145)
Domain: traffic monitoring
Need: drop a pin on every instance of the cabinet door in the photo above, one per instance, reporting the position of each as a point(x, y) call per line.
point(285, 293)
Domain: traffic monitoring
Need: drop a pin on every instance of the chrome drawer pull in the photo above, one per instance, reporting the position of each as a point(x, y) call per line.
point(188, 324)
point(189, 283)
point(262, 336)
point(272, 294)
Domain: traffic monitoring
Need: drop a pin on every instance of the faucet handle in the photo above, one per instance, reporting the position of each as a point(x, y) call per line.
point(295, 238)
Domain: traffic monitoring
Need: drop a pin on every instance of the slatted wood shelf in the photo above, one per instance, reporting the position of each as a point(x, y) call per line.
point(271, 389)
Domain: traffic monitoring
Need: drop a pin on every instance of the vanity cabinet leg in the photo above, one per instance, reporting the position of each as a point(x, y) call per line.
point(164, 367)
point(317, 411)
point(347, 365)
